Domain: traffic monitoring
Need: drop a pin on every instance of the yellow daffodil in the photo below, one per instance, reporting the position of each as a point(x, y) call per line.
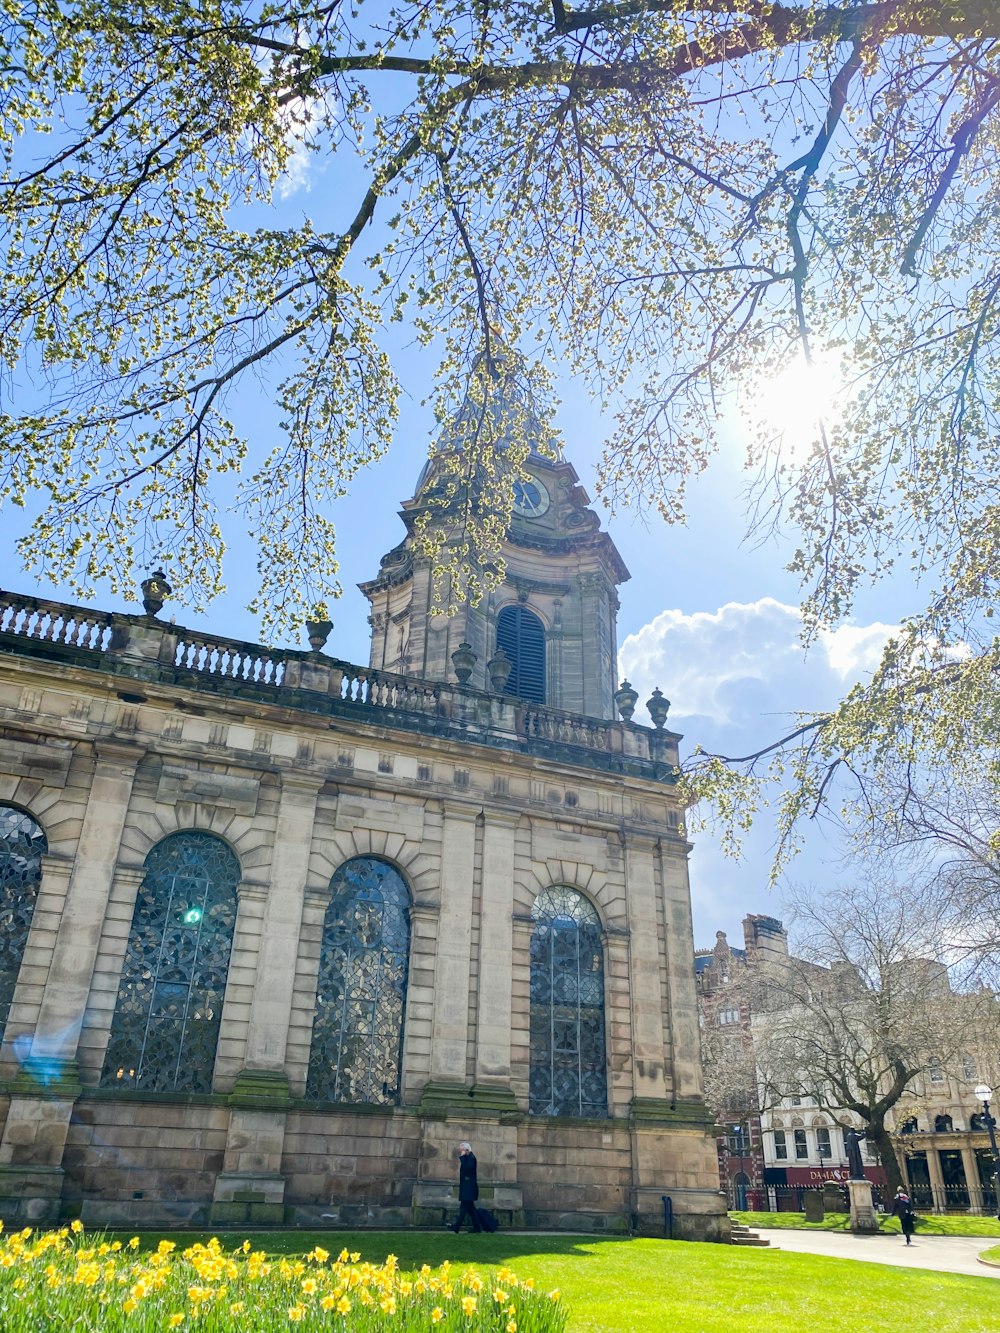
point(76, 1226)
point(468, 1305)
point(175, 1320)
point(437, 1314)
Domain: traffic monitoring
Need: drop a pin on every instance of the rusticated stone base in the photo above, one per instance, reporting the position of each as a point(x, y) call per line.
point(30, 1195)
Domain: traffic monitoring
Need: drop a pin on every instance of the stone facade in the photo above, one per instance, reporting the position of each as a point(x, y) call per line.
point(119, 731)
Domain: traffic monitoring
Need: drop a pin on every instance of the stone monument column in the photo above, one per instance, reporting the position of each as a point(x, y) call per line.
point(45, 1089)
point(939, 1197)
point(250, 1188)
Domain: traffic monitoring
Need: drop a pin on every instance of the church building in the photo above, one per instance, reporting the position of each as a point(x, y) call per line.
point(277, 931)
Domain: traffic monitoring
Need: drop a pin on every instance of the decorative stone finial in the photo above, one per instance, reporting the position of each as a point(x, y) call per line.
point(625, 701)
point(155, 591)
point(499, 668)
point(318, 631)
point(464, 660)
point(658, 708)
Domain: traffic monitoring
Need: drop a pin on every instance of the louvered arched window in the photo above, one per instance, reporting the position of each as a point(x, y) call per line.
point(22, 843)
point(522, 637)
point(169, 1008)
point(357, 1038)
point(568, 1071)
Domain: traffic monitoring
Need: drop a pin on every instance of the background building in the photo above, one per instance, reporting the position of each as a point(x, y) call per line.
point(776, 1143)
point(280, 931)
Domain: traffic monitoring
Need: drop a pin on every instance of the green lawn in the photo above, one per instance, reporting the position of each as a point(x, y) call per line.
point(928, 1224)
point(659, 1286)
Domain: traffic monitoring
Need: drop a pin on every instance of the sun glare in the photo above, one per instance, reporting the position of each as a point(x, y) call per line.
point(787, 412)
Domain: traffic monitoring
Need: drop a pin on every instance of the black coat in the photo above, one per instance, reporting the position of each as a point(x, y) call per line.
point(468, 1186)
point(903, 1209)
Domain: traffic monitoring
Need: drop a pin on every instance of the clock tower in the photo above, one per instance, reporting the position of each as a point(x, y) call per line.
point(554, 615)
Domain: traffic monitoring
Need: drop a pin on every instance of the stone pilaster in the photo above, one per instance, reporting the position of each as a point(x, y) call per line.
point(450, 1032)
point(684, 1077)
point(250, 1188)
point(495, 934)
point(279, 944)
point(645, 970)
point(46, 1087)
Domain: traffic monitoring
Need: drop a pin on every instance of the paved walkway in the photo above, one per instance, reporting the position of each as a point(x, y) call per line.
point(944, 1254)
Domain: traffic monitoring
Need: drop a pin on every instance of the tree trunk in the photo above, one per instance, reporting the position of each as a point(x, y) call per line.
point(882, 1141)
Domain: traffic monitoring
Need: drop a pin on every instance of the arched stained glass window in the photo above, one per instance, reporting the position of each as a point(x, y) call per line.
point(568, 1072)
point(22, 843)
point(166, 1024)
point(357, 1038)
point(522, 637)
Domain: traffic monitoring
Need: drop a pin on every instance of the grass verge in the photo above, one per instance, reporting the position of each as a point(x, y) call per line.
point(657, 1286)
point(928, 1224)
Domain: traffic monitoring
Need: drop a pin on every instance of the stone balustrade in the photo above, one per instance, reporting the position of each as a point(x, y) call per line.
point(151, 650)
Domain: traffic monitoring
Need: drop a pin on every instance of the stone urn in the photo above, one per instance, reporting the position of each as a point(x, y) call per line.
point(499, 668)
point(658, 708)
point(464, 660)
point(155, 591)
point(317, 632)
point(625, 701)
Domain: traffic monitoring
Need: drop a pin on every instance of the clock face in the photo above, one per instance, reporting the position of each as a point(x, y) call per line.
point(531, 499)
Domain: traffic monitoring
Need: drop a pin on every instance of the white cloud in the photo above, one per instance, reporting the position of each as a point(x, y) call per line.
point(855, 650)
point(733, 667)
point(296, 175)
point(736, 678)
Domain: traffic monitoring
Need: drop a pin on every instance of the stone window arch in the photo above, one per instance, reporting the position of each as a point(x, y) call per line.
point(169, 1007)
point(568, 1066)
point(22, 845)
point(357, 1037)
point(521, 635)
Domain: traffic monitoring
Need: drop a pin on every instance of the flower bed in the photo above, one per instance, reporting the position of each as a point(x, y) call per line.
point(66, 1280)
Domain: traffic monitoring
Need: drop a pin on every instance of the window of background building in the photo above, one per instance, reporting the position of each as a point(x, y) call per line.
point(969, 1069)
point(823, 1142)
point(780, 1146)
point(801, 1145)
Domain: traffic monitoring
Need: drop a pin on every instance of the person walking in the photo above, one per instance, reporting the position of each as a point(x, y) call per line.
point(468, 1189)
point(903, 1209)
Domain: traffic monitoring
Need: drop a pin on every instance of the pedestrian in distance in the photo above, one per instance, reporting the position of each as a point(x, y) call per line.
point(903, 1209)
point(468, 1189)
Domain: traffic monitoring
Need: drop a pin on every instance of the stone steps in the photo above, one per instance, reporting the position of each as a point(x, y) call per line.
point(742, 1235)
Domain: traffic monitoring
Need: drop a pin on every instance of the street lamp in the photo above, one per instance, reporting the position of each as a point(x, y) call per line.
point(984, 1092)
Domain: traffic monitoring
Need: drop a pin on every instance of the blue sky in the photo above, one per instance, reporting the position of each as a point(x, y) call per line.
point(707, 616)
